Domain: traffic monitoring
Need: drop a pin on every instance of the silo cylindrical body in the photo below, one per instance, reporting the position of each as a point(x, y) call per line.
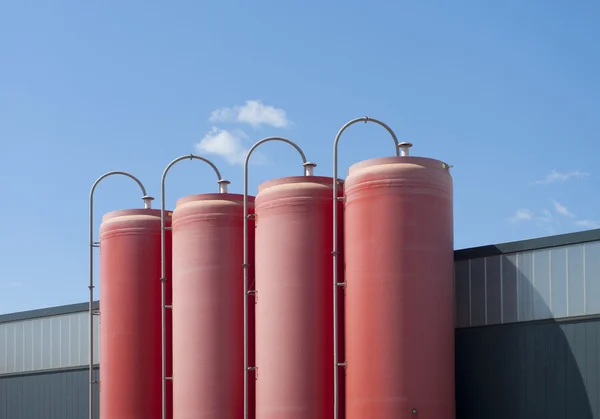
point(294, 301)
point(130, 314)
point(400, 289)
point(341, 303)
point(208, 317)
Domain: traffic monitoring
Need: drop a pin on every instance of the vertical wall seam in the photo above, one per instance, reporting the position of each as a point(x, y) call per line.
point(32, 336)
point(14, 340)
point(584, 281)
point(470, 297)
point(501, 289)
point(567, 279)
point(23, 348)
point(456, 299)
point(534, 291)
point(50, 340)
point(550, 284)
point(485, 317)
point(518, 282)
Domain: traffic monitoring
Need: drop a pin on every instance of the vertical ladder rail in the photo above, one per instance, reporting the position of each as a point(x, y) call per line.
point(336, 284)
point(308, 171)
point(93, 244)
point(163, 260)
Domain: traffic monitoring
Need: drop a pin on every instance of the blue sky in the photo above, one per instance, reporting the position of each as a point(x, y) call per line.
point(507, 92)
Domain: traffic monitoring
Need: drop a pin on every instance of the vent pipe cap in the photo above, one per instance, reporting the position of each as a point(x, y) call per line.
point(223, 185)
point(404, 146)
point(147, 201)
point(309, 168)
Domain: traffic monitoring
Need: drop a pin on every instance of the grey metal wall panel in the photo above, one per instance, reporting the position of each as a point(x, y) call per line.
point(592, 277)
point(529, 371)
point(493, 289)
point(532, 285)
point(51, 395)
point(575, 281)
point(510, 307)
point(462, 291)
point(524, 286)
point(51, 342)
point(478, 292)
point(541, 285)
point(558, 282)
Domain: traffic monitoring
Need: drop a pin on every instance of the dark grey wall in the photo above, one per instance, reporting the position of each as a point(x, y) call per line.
point(528, 329)
point(537, 370)
point(51, 395)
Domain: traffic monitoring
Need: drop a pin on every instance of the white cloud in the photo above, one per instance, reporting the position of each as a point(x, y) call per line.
point(227, 144)
point(562, 210)
point(544, 221)
point(555, 176)
point(223, 115)
point(522, 214)
point(588, 224)
point(254, 113)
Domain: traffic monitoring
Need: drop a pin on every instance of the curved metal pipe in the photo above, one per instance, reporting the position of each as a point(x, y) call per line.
point(163, 269)
point(337, 284)
point(93, 244)
point(308, 171)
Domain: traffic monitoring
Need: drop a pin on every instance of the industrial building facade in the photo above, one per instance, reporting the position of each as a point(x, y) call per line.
point(44, 363)
point(527, 338)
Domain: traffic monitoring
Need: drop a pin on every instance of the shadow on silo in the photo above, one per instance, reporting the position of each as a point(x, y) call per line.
point(524, 370)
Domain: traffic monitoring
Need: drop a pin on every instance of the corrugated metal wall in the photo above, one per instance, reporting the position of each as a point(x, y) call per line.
point(534, 285)
point(51, 342)
point(542, 370)
point(518, 353)
point(50, 395)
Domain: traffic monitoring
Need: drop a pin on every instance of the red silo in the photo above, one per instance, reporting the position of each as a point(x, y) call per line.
point(341, 303)
point(208, 332)
point(400, 289)
point(130, 314)
point(294, 299)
